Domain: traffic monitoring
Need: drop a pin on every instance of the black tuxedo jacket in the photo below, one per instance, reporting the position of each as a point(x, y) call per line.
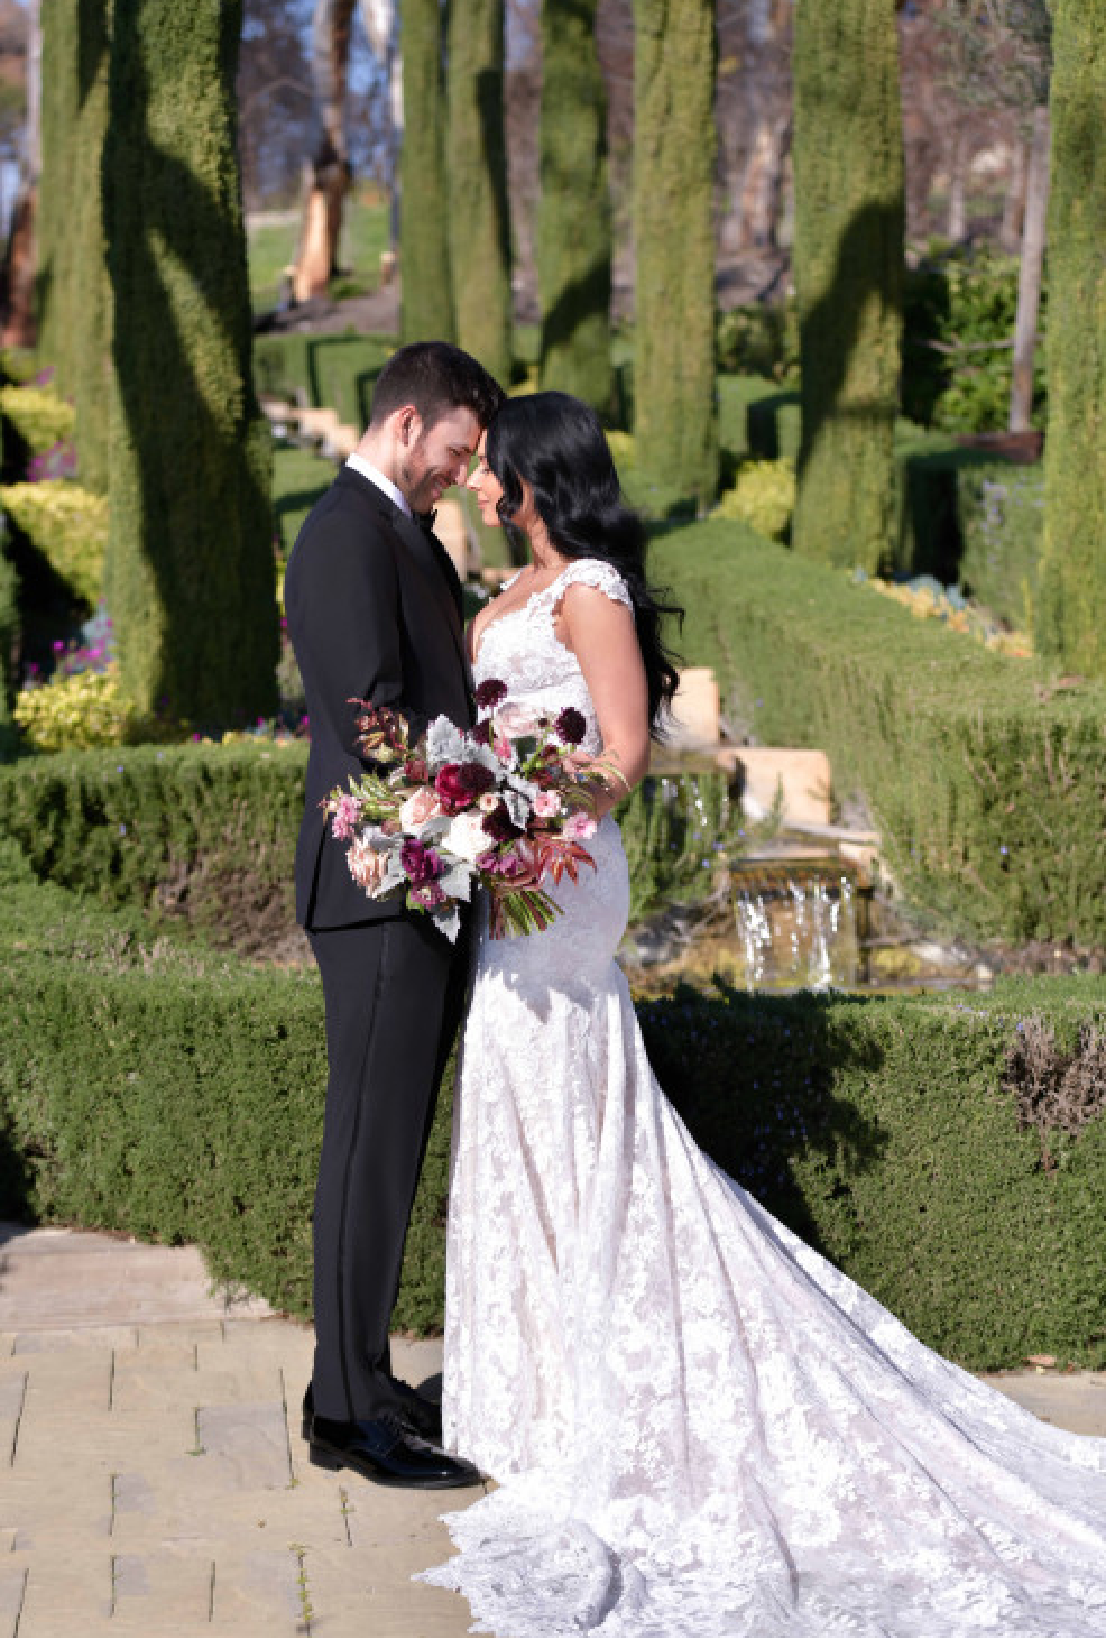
point(374, 613)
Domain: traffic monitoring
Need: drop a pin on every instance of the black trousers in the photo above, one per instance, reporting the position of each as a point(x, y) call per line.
point(394, 992)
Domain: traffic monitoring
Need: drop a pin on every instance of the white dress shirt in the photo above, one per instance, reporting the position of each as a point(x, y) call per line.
point(367, 470)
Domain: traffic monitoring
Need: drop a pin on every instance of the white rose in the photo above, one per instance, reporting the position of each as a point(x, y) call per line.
point(466, 837)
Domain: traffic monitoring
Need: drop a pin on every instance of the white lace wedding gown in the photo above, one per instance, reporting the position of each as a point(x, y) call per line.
point(699, 1427)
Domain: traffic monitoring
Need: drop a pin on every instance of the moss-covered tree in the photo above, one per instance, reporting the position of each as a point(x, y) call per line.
point(675, 406)
point(190, 574)
point(574, 215)
point(74, 294)
point(479, 215)
point(848, 260)
point(426, 310)
point(1072, 618)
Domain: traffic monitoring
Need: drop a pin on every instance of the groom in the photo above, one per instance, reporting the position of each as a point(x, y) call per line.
point(374, 612)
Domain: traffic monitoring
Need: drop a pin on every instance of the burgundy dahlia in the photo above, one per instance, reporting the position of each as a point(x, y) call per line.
point(490, 693)
point(570, 726)
point(499, 825)
point(458, 784)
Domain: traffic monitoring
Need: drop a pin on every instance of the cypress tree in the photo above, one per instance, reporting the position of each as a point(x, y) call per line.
point(479, 215)
point(74, 293)
point(848, 260)
point(1072, 617)
point(675, 401)
point(574, 218)
point(426, 290)
point(190, 574)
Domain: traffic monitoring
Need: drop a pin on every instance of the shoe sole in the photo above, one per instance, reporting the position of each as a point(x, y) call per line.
point(333, 1461)
point(433, 1435)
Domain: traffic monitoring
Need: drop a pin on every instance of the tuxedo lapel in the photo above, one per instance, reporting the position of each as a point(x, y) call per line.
point(428, 552)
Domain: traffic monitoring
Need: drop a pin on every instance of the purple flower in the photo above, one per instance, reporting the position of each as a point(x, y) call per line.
point(421, 864)
point(490, 693)
point(570, 726)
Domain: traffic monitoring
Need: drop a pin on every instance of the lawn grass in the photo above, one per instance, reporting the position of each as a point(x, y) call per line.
point(272, 243)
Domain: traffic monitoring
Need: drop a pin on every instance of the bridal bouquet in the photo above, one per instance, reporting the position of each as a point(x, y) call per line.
point(499, 806)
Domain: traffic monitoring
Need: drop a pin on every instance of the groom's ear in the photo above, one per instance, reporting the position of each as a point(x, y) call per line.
point(408, 425)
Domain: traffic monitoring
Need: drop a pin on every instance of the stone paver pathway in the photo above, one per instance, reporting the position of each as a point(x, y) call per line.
point(153, 1479)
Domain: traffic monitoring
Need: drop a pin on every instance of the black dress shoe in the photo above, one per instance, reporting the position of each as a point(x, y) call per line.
point(382, 1450)
point(419, 1415)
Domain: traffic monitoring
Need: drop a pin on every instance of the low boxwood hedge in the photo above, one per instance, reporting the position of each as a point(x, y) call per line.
point(986, 775)
point(207, 832)
point(177, 1094)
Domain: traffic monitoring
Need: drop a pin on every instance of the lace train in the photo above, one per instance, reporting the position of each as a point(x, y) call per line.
point(699, 1427)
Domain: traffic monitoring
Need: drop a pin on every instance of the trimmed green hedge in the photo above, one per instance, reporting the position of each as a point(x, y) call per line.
point(208, 832)
point(322, 372)
point(987, 779)
point(1001, 511)
point(177, 1094)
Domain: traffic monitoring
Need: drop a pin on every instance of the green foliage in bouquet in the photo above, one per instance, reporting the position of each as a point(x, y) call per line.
point(38, 416)
point(763, 497)
point(68, 525)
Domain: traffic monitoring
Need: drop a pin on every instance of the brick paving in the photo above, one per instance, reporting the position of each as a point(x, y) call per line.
point(156, 1480)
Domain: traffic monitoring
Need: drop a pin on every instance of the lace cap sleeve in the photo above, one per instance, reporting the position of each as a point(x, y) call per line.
point(593, 571)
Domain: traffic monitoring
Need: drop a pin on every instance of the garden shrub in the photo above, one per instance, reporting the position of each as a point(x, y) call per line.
point(84, 710)
point(38, 416)
point(322, 372)
point(763, 497)
point(986, 776)
point(1000, 509)
point(68, 525)
point(960, 310)
point(177, 1094)
point(760, 340)
point(207, 832)
point(775, 425)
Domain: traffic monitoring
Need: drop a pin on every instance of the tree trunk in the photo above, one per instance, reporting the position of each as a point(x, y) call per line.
point(1013, 204)
point(479, 218)
point(848, 259)
point(574, 216)
point(675, 399)
point(327, 182)
point(190, 572)
point(17, 279)
point(956, 227)
point(1071, 625)
point(1029, 279)
point(74, 295)
point(426, 311)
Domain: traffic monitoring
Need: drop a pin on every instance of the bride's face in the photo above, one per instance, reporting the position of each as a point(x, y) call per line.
point(489, 491)
point(485, 485)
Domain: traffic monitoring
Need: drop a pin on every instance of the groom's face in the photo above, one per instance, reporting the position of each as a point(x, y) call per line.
point(433, 459)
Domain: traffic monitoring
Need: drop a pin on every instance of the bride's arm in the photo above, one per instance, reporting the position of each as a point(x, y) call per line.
point(603, 637)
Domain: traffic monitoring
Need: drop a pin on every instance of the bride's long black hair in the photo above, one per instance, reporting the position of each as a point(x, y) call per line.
point(555, 444)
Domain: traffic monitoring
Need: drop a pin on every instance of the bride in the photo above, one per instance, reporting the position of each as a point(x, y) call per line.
point(699, 1428)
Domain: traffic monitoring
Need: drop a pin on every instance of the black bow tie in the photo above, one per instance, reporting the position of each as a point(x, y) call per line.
point(425, 521)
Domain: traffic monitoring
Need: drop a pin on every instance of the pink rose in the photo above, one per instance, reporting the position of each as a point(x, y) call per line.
point(547, 804)
point(420, 807)
point(578, 827)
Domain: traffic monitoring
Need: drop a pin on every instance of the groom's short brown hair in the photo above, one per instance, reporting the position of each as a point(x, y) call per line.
point(435, 378)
